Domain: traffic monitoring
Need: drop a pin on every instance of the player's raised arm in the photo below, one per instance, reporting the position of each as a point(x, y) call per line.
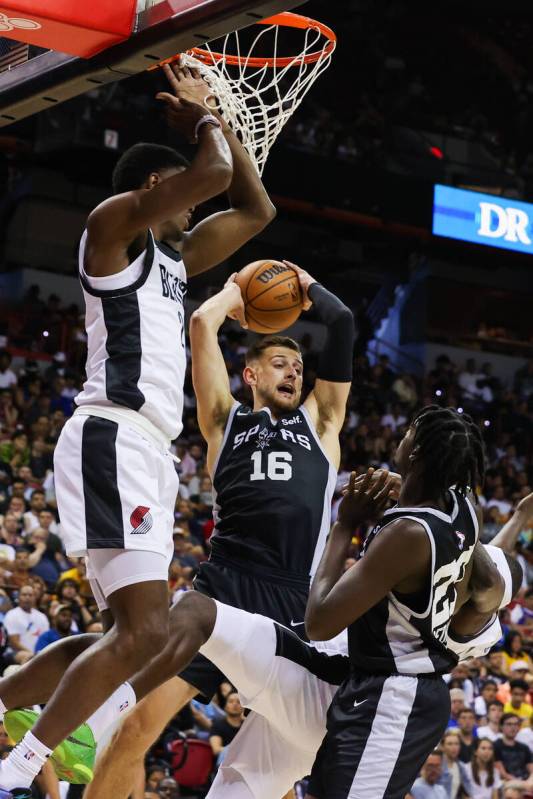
point(209, 373)
point(327, 402)
point(221, 234)
point(400, 553)
point(120, 220)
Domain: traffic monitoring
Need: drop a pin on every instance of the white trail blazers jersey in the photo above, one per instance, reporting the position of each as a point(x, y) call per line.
point(136, 338)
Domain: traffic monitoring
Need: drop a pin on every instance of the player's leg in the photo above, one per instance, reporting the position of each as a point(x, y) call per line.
point(140, 612)
point(35, 682)
point(116, 766)
point(191, 623)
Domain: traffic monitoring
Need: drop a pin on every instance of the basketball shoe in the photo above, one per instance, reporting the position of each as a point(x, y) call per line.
point(72, 760)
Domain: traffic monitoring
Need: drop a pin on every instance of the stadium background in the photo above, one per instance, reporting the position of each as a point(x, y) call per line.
point(415, 97)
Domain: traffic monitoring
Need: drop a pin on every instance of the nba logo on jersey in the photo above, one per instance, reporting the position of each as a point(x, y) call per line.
point(460, 539)
point(141, 521)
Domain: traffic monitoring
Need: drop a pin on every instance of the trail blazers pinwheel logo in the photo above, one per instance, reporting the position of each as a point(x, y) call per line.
point(141, 521)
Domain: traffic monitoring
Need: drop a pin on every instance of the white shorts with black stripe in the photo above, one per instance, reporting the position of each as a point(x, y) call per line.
point(288, 684)
point(116, 489)
point(380, 731)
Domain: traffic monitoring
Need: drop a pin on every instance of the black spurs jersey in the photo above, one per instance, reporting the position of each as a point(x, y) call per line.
point(407, 633)
point(273, 486)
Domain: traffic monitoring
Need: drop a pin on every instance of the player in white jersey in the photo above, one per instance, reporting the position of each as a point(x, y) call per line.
point(115, 480)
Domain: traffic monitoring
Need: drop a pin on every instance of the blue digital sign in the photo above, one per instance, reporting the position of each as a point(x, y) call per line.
point(483, 219)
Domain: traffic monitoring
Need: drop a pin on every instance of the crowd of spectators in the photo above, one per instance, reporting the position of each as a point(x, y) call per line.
point(45, 596)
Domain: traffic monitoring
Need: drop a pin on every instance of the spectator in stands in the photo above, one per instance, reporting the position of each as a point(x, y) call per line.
point(427, 785)
point(499, 501)
point(468, 381)
point(24, 625)
point(457, 703)
point(517, 703)
point(404, 388)
point(522, 614)
point(21, 568)
point(495, 667)
point(16, 451)
point(513, 651)
point(488, 694)
point(492, 729)
point(37, 504)
point(224, 730)
point(513, 759)
point(454, 776)
point(168, 788)
point(466, 725)
point(68, 594)
point(395, 418)
point(485, 780)
point(51, 562)
point(8, 377)
point(62, 628)
point(154, 775)
point(9, 413)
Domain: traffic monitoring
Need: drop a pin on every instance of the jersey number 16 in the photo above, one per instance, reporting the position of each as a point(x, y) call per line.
point(278, 466)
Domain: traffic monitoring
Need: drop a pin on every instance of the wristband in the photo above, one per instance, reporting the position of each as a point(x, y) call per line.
point(207, 119)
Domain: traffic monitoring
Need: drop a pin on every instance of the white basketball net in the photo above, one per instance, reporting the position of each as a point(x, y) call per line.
point(258, 101)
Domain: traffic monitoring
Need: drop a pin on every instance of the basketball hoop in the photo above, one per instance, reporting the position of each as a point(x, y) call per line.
point(257, 93)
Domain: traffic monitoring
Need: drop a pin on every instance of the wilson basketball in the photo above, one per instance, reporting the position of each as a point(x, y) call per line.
point(271, 294)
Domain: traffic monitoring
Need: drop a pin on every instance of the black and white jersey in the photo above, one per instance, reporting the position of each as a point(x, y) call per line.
point(135, 336)
point(273, 486)
point(407, 633)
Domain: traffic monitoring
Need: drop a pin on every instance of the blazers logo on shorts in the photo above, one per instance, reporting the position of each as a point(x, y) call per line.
point(141, 521)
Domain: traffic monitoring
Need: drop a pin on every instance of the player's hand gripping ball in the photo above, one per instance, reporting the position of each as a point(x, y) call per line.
point(272, 295)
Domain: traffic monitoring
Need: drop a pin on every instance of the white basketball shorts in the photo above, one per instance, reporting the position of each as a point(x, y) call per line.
point(116, 489)
point(288, 684)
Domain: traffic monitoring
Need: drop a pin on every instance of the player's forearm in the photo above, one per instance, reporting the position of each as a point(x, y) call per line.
point(330, 569)
point(336, 360)
point(208, 318)
point(246, 191)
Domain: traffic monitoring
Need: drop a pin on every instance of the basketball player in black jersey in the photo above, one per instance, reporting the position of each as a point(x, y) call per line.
point(397, 603)
point(273, 468)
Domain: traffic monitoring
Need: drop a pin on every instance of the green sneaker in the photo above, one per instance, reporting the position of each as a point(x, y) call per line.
point(73, 760)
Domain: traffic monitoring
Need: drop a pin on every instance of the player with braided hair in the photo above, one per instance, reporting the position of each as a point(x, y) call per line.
point(397, 603)
point(451, 448)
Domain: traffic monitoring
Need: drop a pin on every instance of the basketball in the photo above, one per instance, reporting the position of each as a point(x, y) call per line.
point(271, 294)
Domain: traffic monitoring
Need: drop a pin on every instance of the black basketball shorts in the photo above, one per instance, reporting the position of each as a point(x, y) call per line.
point(380, 731)
point(277, 597)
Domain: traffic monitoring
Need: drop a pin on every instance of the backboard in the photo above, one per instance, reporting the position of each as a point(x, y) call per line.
point(162, 29)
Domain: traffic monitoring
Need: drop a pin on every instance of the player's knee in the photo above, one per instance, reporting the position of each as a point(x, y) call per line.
point(150, 639)
point(194, 614)
point(132, 733)
point(137, 646)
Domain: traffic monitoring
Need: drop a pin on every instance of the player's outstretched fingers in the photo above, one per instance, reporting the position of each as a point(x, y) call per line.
point(386, 493)
point(378, 485)
point(171, 77)
point(367, 481)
